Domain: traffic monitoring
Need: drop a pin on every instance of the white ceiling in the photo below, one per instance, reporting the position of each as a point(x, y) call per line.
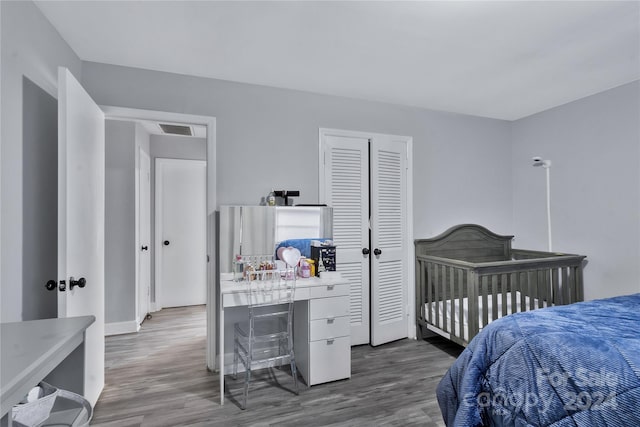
point(500, 59)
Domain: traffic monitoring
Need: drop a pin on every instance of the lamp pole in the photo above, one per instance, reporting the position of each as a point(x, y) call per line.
point(547, 168)
point(546, 164)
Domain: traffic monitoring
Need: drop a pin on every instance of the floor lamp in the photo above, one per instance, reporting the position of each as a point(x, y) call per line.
point(546, 164)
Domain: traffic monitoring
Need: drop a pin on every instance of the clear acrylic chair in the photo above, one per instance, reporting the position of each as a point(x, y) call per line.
point(266, 339)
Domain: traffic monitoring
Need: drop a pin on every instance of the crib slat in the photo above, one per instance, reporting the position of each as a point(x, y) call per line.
point(429, 292)
point(460, 300)
point(445, 300)
point(436, 280)
point(505, 280)
point(543, 280)
point(484, 305)
point(494, 296)
point(452, 299)
point(556, 297)
point(566, 298)
point(572, 282)
point(544, 286)
point(473, 283)
point(578, 284)
point(514, 292)
point(533, 289)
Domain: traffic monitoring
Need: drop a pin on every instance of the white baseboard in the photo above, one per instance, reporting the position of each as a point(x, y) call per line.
point(119, 328)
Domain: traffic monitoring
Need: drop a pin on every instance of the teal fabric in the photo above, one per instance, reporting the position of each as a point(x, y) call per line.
point(570, 365)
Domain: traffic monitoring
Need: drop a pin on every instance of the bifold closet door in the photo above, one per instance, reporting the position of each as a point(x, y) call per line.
point(364, 178)
point(345, 184)
point(389, 263)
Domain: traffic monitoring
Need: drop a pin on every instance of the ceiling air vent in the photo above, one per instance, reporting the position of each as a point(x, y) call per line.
point(176, 129)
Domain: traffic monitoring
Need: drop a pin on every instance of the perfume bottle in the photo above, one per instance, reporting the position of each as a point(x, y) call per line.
point(271, 198)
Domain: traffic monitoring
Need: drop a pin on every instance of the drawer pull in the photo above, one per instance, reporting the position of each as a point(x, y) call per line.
point(331, 319)
point(330, 341)
point(330, 287)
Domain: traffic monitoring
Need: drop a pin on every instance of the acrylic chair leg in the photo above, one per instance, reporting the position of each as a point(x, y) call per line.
point(294, 374)
point(235, 360)
point(247, 378)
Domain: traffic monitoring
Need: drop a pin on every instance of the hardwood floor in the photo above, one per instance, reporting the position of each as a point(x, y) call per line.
point(158, 377)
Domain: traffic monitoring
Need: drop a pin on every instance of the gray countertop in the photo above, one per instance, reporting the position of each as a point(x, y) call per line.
point(30, 350)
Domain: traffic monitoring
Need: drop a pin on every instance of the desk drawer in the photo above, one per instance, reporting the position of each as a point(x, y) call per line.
point(330, 360)
point(322, 308)
point(324, 291)
point(333, 327)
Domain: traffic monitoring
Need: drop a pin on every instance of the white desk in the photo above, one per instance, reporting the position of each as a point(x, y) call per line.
point(31, 350)
point(321, 296)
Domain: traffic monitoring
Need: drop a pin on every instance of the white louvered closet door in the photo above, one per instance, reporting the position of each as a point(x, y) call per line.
point(344, 178)
point(388, 239)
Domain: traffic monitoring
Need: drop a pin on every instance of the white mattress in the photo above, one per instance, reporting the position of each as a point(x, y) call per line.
point(465, 305)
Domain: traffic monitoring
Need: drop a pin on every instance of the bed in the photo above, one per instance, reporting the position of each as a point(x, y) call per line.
point(573, 365)
point(469, 276)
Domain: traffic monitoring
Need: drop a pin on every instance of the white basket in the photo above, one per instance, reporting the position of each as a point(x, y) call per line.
point(69, 410)
point(33, 412)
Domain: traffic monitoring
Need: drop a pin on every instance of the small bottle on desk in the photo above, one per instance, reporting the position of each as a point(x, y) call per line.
point(321, 267)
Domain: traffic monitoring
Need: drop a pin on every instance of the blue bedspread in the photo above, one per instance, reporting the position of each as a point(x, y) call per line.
point(570, 365)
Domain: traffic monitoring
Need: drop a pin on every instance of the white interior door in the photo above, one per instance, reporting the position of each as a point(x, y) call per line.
point(345, 178)
point(181, 245)
point(81, 205)
point(389, 254)
point(144, 236)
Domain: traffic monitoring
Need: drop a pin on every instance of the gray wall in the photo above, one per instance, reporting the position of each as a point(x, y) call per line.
point(124, 139)
point(120, 232)
point(169, 147)
point(32, 48)
point(268, 137)
point(594, 146)
point(39, 202)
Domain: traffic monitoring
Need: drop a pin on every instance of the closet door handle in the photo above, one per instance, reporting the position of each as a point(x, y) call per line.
point(365, 251)
point(377, 251)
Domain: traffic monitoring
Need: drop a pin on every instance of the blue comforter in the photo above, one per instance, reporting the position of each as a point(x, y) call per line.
point(570, 365)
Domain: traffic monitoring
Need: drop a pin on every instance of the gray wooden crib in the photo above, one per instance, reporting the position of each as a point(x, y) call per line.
point(468, 276)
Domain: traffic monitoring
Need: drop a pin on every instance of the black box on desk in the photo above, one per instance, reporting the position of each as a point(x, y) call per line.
point(328, 254)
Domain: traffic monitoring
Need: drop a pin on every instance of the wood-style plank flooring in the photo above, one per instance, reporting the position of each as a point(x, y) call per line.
point(158, 377)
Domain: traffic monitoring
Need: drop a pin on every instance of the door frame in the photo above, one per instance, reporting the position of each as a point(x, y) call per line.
point(410, 252)
point(159, 193)
point(140, 316)
point(132, 114)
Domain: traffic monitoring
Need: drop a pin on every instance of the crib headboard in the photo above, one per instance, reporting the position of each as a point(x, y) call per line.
point(467, 242)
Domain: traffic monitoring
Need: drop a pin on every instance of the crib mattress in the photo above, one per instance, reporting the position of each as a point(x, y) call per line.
point(465, 308)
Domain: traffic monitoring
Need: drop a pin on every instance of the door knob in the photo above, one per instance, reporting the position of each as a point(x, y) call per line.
point(365, 251)
point(166, 243)
point(377, 251)
point(145, 248)
point(51, 285)
point(81, 282)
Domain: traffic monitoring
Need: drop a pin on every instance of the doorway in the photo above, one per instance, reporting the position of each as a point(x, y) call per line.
point(209, 123)
point(367, 179)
